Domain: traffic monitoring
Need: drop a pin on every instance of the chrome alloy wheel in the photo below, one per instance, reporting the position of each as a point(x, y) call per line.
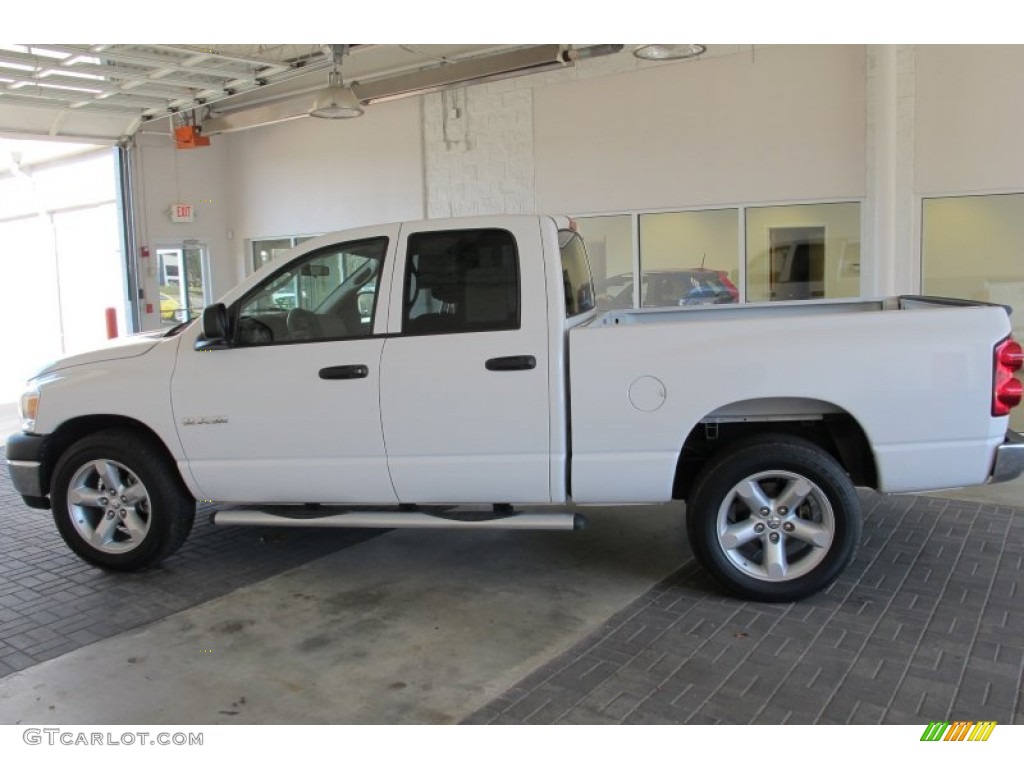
point(109, 506)
point(775, 526)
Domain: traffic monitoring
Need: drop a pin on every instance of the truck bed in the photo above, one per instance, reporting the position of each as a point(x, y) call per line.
point(914, 373)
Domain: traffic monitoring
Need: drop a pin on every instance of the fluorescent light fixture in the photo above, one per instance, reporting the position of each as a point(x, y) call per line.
point(16, 65)
point(34, 50)
point(75, 88)
point(73, 73)
point(669, 52)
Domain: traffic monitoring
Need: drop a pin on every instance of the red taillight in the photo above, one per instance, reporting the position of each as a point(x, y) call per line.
point(1007, 391)
point(1010, 354)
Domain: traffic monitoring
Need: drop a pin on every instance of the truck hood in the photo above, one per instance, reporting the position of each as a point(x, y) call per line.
point(129, 346)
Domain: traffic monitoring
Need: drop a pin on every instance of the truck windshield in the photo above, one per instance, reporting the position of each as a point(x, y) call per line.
point(576, 279)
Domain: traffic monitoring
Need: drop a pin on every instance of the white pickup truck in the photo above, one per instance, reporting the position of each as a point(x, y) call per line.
point(463, 362)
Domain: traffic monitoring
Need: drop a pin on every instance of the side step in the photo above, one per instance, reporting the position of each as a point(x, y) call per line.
point(529, 521)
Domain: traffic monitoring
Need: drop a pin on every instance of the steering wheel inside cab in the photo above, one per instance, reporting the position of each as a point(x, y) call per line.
point(302, 324)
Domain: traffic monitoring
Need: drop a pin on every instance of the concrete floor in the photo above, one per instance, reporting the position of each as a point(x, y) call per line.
point(1009, 494)
point(411, 627)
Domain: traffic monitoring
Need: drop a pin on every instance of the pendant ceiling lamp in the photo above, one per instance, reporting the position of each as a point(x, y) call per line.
point(337, 101)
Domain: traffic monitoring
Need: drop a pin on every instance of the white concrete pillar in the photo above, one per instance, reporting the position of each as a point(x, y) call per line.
point(890, 256)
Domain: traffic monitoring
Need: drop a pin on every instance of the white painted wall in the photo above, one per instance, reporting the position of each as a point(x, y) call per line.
point(310, 176)
point(749, 125)
point(772, 124)
point(164, 176)
point(970, 109)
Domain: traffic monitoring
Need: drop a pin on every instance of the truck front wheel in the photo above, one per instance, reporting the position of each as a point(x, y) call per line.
point(118, 501)
point(774, 518)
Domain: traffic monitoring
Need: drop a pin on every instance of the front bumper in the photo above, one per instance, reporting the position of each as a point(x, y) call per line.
point(25, 465)
point(1009, 462)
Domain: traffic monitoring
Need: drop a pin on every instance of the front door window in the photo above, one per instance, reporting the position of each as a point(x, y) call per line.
point(330, 293)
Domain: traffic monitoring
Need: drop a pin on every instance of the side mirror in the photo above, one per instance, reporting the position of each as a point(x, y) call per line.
point(216, 332)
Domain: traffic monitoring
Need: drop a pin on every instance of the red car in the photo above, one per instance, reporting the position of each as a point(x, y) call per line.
point(670, 288)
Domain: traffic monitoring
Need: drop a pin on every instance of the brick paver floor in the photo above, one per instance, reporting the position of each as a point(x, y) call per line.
point(926, 624)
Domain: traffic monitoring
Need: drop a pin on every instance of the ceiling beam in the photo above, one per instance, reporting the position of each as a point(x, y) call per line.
point(296, 105)
point(63, 103)
point(252, 60)
point(525, 61)
point(157, 62)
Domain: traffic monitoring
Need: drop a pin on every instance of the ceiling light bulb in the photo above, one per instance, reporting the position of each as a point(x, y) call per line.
point(670, 52)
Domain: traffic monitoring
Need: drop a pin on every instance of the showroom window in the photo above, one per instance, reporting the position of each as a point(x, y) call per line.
point(971, 248)
point(609, 244)
point(797, 252)
point(725, 255)
point(461, 281)
point(265, 251)
point(689, 257)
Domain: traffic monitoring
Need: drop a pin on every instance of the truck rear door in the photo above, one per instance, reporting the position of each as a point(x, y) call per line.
point(464, 372)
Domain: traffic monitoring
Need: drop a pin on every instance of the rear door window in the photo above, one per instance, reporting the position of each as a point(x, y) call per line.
point(461, 281)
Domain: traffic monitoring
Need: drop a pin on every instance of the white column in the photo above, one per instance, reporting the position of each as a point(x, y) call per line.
point(890, 256)
point(907, 267)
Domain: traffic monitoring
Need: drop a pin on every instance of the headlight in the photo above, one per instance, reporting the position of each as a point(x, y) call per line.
point(29, 407)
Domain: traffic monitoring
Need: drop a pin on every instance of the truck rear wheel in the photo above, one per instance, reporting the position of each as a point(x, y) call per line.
point(118, 501)
point(774, 518)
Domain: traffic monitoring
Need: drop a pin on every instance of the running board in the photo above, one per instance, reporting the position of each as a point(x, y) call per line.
point(529, 521)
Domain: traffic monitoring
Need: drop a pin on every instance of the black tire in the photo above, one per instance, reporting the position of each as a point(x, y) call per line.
point(785, 554)
point(134, 529)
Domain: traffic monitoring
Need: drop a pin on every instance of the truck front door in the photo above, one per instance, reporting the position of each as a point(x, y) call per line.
point(464, 374)
point(291, 411)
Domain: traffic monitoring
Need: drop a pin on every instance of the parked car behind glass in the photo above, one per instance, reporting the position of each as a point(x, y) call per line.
point(669, 288)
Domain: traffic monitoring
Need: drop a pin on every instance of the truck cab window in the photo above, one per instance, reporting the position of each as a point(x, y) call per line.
point(461, 281)
point(328, 294)
point(577, 282)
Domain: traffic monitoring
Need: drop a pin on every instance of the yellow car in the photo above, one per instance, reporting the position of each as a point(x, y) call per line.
point(169, 307)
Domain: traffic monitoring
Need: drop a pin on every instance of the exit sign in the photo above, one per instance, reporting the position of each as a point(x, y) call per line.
point(182, 212)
